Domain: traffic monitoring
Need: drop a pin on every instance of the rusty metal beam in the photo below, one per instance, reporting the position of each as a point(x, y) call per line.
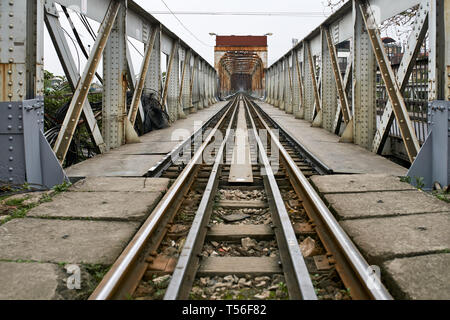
point(300, 85)
point(187, 60)
point(70, 70)
point(76, 106)
point(168, 73)
point(346, 83)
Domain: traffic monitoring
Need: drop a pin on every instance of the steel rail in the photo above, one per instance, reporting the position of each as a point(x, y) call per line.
point(185, 270)
point(362, 272)
point(111, 283)
point(299, 281)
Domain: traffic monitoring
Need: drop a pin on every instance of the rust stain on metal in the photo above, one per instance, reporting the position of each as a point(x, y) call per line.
point(162, 263)
point(3, 76)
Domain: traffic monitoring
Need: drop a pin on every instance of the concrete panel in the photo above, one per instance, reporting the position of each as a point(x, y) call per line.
point(135, 160)
point(382, 239)
point(99, 205)
point(96, 242)
point(114, 164)
point(149, 148)
point(371, 204)
point(111, 184)
point(351, 183)
point(423, 277)
point(28, 281)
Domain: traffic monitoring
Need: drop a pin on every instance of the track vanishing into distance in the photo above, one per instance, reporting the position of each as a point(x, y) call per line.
point(232, 230)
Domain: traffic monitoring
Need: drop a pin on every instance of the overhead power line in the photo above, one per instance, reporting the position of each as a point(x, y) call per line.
point(304, 14)
point(182, 24)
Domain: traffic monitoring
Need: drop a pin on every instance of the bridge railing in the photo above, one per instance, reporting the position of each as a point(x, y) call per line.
point(385, 88)
point(190, 81)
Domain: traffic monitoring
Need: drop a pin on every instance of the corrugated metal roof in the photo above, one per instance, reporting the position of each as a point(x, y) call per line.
point(241, 41)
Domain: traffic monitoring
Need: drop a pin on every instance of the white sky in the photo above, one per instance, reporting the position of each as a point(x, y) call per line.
point(284, 28)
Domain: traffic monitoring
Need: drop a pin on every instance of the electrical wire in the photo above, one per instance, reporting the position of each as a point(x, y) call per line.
point(247, 13)
point(137, 50)
point(80, 43)
point(182, 24)
point(76, 49)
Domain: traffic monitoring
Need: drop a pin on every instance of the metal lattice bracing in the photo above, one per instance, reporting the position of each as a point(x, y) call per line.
point(345, 70)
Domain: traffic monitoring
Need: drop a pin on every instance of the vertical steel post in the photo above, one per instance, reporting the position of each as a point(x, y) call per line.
point(300, 114)
point(283, 84)
point(115, 83)
point(184, 87)
point(364, 83)
point(27, 156)
point(193, 85)
point(295, 84)
point(331, 82)
point(309, 87)
point(171, 74)
point(439, 60)
point(312, 74)
point(152, 80)
point(289, 106)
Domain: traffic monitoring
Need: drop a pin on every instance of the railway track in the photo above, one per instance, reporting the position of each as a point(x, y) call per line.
point(246, 224)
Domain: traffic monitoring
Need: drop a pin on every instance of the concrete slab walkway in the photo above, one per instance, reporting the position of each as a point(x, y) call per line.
point(340, 157)
point(87, 226)
point(134, 160)
point(403, 230)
